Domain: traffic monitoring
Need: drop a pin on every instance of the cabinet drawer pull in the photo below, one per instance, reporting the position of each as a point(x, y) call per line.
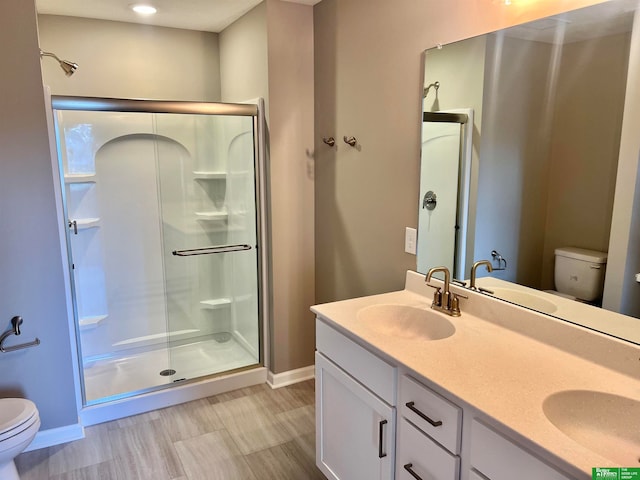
point(407, 467)
point(381, 425)
point(410, 406)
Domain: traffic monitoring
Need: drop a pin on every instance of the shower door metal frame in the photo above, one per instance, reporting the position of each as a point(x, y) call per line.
point(255, 110)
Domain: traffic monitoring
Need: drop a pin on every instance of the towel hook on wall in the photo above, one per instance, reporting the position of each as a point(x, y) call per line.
point(350, 141)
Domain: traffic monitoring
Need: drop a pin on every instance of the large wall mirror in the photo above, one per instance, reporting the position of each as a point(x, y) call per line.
point(537, 131)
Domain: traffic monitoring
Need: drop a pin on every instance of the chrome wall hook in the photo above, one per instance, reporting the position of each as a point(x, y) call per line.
point(350, 141)
point(329, 141)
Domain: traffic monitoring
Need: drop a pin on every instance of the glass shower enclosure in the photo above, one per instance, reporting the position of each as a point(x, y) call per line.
point(161, 202)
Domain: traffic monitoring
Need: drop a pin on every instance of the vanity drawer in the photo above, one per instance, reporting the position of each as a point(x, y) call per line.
point(499, 459)
point(420, 404)
point(424, 457)
point(371, 371)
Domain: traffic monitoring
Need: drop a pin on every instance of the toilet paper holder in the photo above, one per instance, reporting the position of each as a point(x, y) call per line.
point(498, 258)
point(15, 330)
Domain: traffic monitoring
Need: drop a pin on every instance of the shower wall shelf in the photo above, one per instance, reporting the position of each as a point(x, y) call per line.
point(212, 216)
point(215, 303)
point(80, 178)
point(209, 175)
point(91, 322)
point(86, 223)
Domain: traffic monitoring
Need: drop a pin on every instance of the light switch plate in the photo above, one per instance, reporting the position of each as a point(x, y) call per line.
point(410, 238)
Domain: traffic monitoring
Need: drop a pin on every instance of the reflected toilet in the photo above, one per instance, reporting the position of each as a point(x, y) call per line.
point(579, 274)
point(19, 423)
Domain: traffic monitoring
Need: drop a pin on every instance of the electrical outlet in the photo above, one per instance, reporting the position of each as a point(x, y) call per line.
point(410, 238)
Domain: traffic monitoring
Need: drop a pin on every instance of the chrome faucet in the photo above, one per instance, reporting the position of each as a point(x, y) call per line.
point(443, 299)
point(474, 268)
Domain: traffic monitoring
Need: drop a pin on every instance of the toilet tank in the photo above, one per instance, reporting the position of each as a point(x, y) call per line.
point(580, 272)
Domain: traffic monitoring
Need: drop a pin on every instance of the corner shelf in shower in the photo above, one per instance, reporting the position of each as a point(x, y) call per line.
point(80, 178)
point(248, 297)
point(91, 322)
point(215, 303)
point(87, 223)
point(209, 175)
point(212, 216)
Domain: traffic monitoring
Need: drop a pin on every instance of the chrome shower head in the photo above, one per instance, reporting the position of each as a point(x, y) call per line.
point(435, 85)
point(68, 67)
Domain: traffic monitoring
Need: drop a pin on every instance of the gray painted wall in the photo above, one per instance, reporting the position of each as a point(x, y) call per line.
point(290, 30)
point(621, 291)
point(514, 149)
point(281, 71)
point(584, 148)
point(32, 282)
point(243, 58)
point(126, 60)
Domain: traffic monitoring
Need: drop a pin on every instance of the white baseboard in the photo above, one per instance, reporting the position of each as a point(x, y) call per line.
point(277, 380)
point(56, 436)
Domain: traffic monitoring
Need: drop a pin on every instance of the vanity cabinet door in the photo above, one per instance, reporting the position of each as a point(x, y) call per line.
point(355, 430)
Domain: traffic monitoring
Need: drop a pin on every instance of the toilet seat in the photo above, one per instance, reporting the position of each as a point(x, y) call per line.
point(16, 415)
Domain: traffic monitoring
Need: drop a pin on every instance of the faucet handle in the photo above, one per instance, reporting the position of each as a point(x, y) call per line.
point(455, 305)
point(437, 295)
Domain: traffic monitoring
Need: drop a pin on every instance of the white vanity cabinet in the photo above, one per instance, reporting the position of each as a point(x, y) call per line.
point(355, 414)
point(358, 397)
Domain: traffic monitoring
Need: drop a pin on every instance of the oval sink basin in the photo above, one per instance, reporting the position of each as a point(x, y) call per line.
point(606, 424)
point(406, 322)
point(525, 299)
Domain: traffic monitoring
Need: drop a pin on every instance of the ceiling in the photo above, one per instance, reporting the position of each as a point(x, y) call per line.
point(600, 20)
point(203, 15)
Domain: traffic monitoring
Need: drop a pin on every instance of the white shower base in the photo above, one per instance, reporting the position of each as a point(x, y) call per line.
point(140, 371)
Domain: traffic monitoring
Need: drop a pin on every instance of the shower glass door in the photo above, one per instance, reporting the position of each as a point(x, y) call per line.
point(209, 231)
point(162, 241)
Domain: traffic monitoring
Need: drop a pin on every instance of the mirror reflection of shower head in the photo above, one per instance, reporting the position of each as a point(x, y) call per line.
point(68, 67)
point(435, 85)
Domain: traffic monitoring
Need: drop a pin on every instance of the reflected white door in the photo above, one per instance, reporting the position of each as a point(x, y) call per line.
point(439, 174)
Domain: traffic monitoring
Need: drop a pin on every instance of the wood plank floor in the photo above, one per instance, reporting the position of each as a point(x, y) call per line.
point(254, 433)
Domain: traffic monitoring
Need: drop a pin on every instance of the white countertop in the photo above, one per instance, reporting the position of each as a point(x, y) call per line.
point(503, 374)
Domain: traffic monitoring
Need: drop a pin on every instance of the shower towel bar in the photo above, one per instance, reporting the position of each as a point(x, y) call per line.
point(211, 250)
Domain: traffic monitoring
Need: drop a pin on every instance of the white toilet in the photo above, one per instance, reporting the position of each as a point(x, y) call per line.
point(19, 423)
point(579, 273)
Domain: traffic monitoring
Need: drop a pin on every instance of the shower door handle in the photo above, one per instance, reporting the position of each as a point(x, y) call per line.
point(74, 224)
point(211, 250)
